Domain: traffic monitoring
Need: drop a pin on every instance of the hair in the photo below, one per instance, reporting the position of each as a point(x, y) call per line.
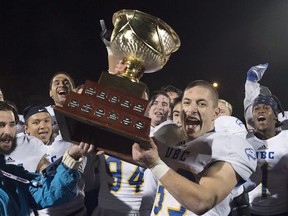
point(146, 91)
point(66, 74)
point(171, 88)
point(177, 100)
point(207, 85)
point(227, 104)
point(155, 94)
point(9, 106)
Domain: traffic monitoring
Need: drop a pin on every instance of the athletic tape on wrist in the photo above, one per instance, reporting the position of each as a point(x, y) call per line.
point(160, 169)
point(70, 162)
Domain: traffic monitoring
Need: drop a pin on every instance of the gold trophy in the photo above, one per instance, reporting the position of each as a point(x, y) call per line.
point(110, 113)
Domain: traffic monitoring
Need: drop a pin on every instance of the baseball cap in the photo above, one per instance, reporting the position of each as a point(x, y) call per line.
point(33, 109)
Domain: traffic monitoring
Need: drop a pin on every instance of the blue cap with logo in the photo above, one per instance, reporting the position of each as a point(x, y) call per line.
point(33, 109)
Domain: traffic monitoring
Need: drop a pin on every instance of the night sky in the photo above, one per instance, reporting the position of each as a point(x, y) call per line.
point(220, 41)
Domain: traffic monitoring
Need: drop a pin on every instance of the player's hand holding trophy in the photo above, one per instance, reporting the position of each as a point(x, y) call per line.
point(110, 113)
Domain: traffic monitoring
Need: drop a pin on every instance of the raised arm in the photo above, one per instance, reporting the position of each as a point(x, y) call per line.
point(252, 90)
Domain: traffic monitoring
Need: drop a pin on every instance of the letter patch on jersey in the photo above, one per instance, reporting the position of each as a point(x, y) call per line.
point(250, 153)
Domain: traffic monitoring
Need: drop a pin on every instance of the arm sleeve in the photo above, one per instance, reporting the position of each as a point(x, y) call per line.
point(252, 90)
point(57, 189)
point(236, 151)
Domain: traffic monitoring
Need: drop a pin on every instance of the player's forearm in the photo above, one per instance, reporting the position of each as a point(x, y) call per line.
point(252, 90)
point(112, 63)
point(189, 194)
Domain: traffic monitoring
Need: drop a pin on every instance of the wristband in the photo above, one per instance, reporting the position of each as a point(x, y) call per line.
point(160, 169)
point(70, 162)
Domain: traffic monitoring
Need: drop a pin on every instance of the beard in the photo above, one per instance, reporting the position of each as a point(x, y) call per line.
point(12, 147)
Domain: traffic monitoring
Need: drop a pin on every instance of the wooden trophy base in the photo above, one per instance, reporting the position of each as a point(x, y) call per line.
point(107, 118)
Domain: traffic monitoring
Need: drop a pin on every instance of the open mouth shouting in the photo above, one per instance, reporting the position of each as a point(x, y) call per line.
point(192, 123)
point(62, 92)
point(261, 118)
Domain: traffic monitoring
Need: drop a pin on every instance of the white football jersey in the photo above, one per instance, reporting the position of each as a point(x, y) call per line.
point(57, 148)
point(50, 109)
point(192, 158)
point(230, 124)
point(270, 197)
point(20, 124)
point(149, 193)
point(121, 186)
point(28, 152)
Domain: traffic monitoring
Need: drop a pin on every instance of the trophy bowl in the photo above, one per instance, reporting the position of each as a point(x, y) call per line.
point(142, 41)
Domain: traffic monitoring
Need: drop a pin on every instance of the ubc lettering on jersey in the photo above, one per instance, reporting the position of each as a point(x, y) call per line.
point(195, 156)
point(265, 155)
point(53, 158)
point(176, 154)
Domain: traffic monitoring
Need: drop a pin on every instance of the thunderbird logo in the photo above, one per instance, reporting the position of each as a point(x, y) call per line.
point(250, 153)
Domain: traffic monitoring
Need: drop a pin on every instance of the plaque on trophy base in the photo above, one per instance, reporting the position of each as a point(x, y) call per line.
point(105, 117)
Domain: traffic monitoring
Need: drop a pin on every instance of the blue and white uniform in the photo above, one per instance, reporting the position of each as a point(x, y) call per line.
point(125, 189)
point(191, 159)
point(231, 125)
point(270, 197)
point(28, 152)
point(50, 109)
point(121, 187)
